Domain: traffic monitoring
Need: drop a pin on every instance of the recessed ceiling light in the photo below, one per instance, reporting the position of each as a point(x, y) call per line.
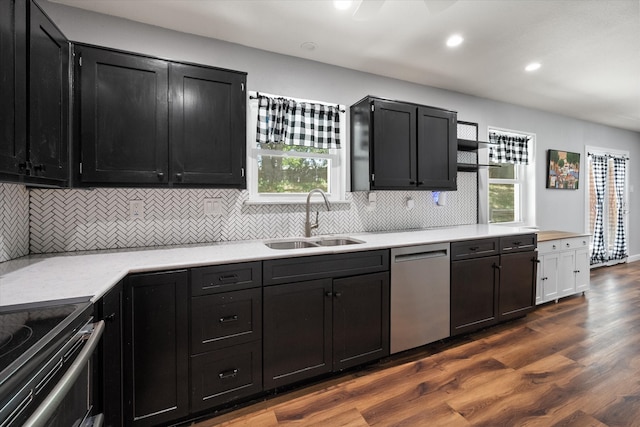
point(308, 46)
point(533, 66)
point(455, 40)
point(342, 4)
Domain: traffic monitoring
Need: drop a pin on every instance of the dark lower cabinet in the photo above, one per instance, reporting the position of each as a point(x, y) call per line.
point(156, 348)
point(297, 331)
point(474, 294)
point(319, 326)
point(517, 284)
point(492, 280)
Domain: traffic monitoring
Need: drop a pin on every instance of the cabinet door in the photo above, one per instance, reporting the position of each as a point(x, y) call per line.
point(474, 294)
point(110, 352)
point(437, 149)
point(156, 349)
point(394, 145)
point(208, 126)
point(582, 270)
point(296, 331)
point(124, 116)
point(517, 284)
point(13, 108)
point(548, 276)
point(48, 98)
point(567, 279)
point(360, 319)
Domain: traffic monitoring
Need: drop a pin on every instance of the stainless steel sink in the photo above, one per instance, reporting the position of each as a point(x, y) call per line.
point(291, 244)
point(311, 243)
point(340, 241)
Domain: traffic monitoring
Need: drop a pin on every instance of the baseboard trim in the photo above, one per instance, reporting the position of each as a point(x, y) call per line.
point(633, 258)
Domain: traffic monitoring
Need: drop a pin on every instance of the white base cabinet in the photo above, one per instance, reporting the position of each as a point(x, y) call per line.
point(563, 268)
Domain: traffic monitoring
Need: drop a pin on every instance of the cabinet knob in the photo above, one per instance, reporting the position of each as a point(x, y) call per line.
point(23, 167)
point(338, 294)
point(554, 246)
point(329, 294)
point(39, 168)
point(497, 267)
point(543, 278)
point(568, 245)
point(412, 183)
point(178, 177)
point(160, 175)
point(420, 182)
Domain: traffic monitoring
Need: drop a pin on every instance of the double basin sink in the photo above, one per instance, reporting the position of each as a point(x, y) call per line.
point(301, 243)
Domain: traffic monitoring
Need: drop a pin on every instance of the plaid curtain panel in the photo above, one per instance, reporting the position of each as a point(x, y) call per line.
point(619, 250)
point(508, 149)
point(285, 121)
point(599, 251)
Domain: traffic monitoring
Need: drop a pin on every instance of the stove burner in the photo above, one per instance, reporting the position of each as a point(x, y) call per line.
point(12, 340)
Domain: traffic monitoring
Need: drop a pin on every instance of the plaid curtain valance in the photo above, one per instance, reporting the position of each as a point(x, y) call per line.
point(508, 149)
point(285, 121)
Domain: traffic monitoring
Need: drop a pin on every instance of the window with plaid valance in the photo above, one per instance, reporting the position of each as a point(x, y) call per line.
point(505, 148)
point(286, 121)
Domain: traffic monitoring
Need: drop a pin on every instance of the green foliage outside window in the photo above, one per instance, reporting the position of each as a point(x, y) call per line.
point(278, 174)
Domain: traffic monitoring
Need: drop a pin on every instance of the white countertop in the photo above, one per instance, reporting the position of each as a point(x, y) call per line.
point(90, 275)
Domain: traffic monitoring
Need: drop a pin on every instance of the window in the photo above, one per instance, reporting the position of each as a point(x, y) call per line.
point(511, 194)
point(284, 172)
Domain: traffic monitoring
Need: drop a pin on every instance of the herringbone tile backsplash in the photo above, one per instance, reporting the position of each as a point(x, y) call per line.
point(14, 228)
point(77, 220)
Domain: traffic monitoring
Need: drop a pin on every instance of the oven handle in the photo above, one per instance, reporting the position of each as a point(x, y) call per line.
point(49, 405)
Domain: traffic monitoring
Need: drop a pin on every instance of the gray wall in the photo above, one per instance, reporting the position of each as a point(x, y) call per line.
point(268, 72)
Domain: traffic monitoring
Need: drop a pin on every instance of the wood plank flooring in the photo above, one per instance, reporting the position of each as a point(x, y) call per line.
point(575, 363)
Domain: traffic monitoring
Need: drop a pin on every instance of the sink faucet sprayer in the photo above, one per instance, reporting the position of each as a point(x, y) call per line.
point(307, 225)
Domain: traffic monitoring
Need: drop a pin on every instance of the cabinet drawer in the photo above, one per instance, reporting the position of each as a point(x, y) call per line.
point(289, 270)
point(474, 249)
point(574, 243)
point(225, 375)
point(549, 246)
point(222, 320)
point(224, 278)
point(519, 243)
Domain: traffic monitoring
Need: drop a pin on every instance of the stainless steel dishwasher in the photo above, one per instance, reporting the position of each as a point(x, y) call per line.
point(419, 295)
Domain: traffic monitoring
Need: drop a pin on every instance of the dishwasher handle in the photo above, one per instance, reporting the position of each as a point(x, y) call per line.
point(416, 256)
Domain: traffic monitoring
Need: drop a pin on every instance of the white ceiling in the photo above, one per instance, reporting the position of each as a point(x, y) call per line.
point(589, 49)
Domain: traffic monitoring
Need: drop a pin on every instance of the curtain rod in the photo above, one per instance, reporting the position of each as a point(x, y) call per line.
point(611, 156)
point(258, 95)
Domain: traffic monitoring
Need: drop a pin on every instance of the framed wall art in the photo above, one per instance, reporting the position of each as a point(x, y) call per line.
point(563, 170)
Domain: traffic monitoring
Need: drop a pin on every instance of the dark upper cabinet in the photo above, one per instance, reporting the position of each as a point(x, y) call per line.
point(402, 146)
point(124, 113)
point(150, 122)
point(13, 142)
point(206, 151)
point(48, 98)
point(34, 84)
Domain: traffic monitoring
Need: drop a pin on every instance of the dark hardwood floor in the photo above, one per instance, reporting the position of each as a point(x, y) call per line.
point(574, 363)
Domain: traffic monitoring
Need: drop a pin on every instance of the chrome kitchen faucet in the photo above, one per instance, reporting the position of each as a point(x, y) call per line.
point(307, 225)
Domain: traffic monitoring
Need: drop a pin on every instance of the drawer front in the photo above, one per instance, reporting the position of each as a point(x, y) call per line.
point(574, 243)
point(519, 243)
point(474, 249)
point(289, 270)
point(224, 278)
point(549, 246)
point(223, 376)
point(222, 320)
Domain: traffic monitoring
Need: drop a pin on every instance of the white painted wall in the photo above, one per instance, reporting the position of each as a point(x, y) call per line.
point(558, 210)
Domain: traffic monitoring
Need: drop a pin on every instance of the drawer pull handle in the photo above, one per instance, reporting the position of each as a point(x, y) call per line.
point(232, 373)
point(474, 248)
point(497, 267)
point(231, 278)
point(228, 319)
point(517, 243)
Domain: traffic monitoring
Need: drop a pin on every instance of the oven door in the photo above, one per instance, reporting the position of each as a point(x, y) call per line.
point(69, 401)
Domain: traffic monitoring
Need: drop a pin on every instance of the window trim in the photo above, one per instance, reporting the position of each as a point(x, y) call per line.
point(525, 177)
point(337, 172)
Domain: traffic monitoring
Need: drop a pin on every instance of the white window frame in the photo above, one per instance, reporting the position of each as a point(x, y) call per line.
point(338, 158)
point(525, 193)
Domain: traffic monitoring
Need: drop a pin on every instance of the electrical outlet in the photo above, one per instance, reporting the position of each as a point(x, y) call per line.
point(136, 209)
point(213, 206)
